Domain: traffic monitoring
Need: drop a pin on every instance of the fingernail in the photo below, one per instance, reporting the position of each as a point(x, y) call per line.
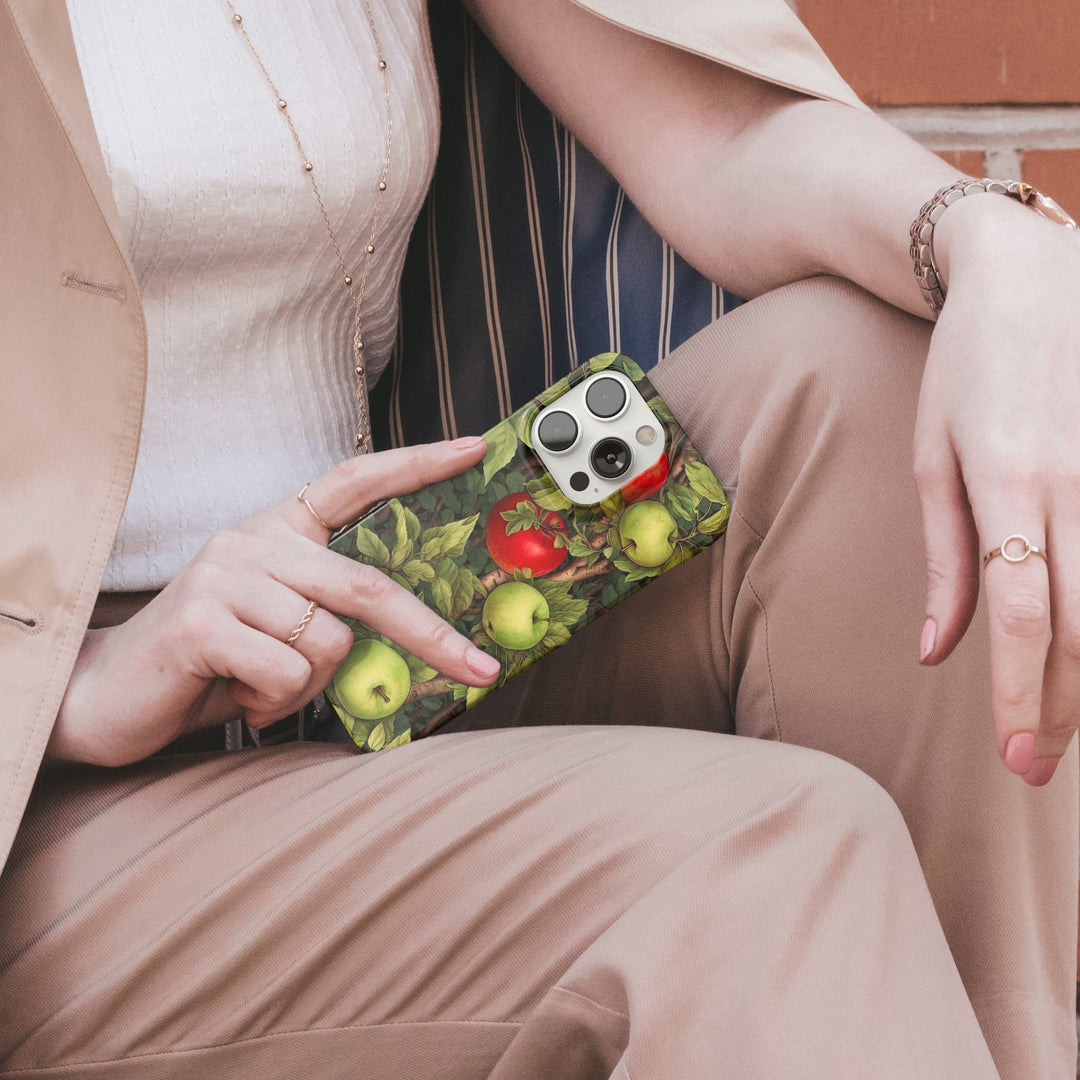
point(483, 665)
point(467, 442)
point(1041, 771)
point(929, 637)
point(1020, 753)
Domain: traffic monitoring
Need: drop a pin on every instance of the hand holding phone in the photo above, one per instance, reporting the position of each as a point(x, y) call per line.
point(584, 495)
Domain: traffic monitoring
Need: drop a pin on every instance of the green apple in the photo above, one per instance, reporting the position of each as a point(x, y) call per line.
point(648, 533)
point(515, 615)
point(374, 680)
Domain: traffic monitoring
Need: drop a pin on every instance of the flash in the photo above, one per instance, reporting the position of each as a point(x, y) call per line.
point(645, 435)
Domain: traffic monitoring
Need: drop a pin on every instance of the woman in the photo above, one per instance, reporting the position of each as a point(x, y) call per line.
point(214, 641)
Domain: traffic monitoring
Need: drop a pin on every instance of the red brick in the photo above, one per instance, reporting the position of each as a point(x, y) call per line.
point(1057, 173)
point(968, 162)
point(901, 52)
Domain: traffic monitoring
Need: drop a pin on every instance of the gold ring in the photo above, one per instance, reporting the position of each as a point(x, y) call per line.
point(301, 626)
point(314, 513)
point(1029, 549)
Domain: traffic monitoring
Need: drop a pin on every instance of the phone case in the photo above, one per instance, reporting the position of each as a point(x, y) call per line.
point(502, 554)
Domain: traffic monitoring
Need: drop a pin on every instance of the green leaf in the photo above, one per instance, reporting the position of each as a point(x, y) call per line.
point(579, 547)
point(602, 361)
point(681, 502)
point(612, 504)
point(525, 515)
point(553, 392)
point(416, 570)
point(557, 635)
point(641, 573)
point(546, 492)
point(446, 541)
point(472, 581)
point(681, 554)
point(632, 369)
point(569, 610)
point(662, 412)
point(703, 481)
point(418, 669)
point(403, 545)
point(400, 740)
point(502, 443)
point(443, 596)
point(462, 590)
point(522, 422)
point(475, 694)
point(715, 524)
point(412, 523)
point(371, 548)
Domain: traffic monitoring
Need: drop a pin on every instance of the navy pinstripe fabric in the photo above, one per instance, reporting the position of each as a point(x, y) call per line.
point(526, 260)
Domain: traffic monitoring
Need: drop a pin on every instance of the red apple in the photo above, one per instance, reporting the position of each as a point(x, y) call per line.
point(526, 549)
point(647, 483)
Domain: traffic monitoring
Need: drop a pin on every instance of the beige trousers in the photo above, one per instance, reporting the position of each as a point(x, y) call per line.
point(593, 902)
point(804, 629)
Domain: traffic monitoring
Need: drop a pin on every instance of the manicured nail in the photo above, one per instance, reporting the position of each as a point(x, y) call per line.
point(483, 665)
point(1041, 771)
point(1020, 753)
point(929, 637)
point(467, 442)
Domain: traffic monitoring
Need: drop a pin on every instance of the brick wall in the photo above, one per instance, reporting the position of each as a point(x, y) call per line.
point(991, 85)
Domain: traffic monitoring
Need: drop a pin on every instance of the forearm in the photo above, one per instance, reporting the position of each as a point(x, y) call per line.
point(754, 184)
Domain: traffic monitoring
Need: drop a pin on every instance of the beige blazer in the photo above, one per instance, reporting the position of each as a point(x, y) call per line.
point(73, 340)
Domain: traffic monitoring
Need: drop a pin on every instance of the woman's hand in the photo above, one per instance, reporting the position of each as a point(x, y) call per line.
point(998, 453)
point(211, 646)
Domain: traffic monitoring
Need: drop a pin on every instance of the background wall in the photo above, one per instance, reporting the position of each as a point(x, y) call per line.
point(992, 85)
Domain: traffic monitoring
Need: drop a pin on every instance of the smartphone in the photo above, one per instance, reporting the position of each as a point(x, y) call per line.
point(585, 495)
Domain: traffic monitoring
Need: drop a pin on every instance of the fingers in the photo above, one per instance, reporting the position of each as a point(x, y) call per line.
point(267, 571)
point(358, 591)
point(344, 493)
point(273, 600)
point(1061, 681)
point(952, 558)
point(1018, 602)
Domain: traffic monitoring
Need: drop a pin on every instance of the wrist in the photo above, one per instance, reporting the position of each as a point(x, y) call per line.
point(974, 229)
point(956, 229)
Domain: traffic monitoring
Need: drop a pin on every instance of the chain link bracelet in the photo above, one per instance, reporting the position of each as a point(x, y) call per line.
point(922, 228)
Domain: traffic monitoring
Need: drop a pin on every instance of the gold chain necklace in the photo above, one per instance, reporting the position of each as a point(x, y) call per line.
point(356, 290)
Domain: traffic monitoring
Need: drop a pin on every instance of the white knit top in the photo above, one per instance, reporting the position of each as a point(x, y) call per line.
point(251, 386)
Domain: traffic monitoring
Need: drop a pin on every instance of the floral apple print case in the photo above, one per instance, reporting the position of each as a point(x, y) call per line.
point(505, 556)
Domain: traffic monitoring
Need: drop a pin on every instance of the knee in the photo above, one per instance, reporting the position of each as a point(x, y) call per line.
point(854, 804)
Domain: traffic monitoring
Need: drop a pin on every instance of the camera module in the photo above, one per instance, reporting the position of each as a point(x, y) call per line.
point(610, 458)
point(605, 398)
point(557, 431)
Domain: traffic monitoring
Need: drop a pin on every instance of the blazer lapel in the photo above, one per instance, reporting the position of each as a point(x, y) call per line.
point(45, 31)
point(760, 37)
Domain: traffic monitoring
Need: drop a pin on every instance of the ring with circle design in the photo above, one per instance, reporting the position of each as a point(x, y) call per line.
point(1029, 549)
point(314, 513)
point(301, 626)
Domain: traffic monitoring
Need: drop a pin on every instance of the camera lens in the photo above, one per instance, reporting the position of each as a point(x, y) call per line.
point(557, 431)
point(605, 397)
point(610, 458)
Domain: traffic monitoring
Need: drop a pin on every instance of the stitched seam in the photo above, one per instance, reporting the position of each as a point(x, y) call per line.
point(738, 513)
point(150, 1055)
point(592, 1001)
point(768, 660)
